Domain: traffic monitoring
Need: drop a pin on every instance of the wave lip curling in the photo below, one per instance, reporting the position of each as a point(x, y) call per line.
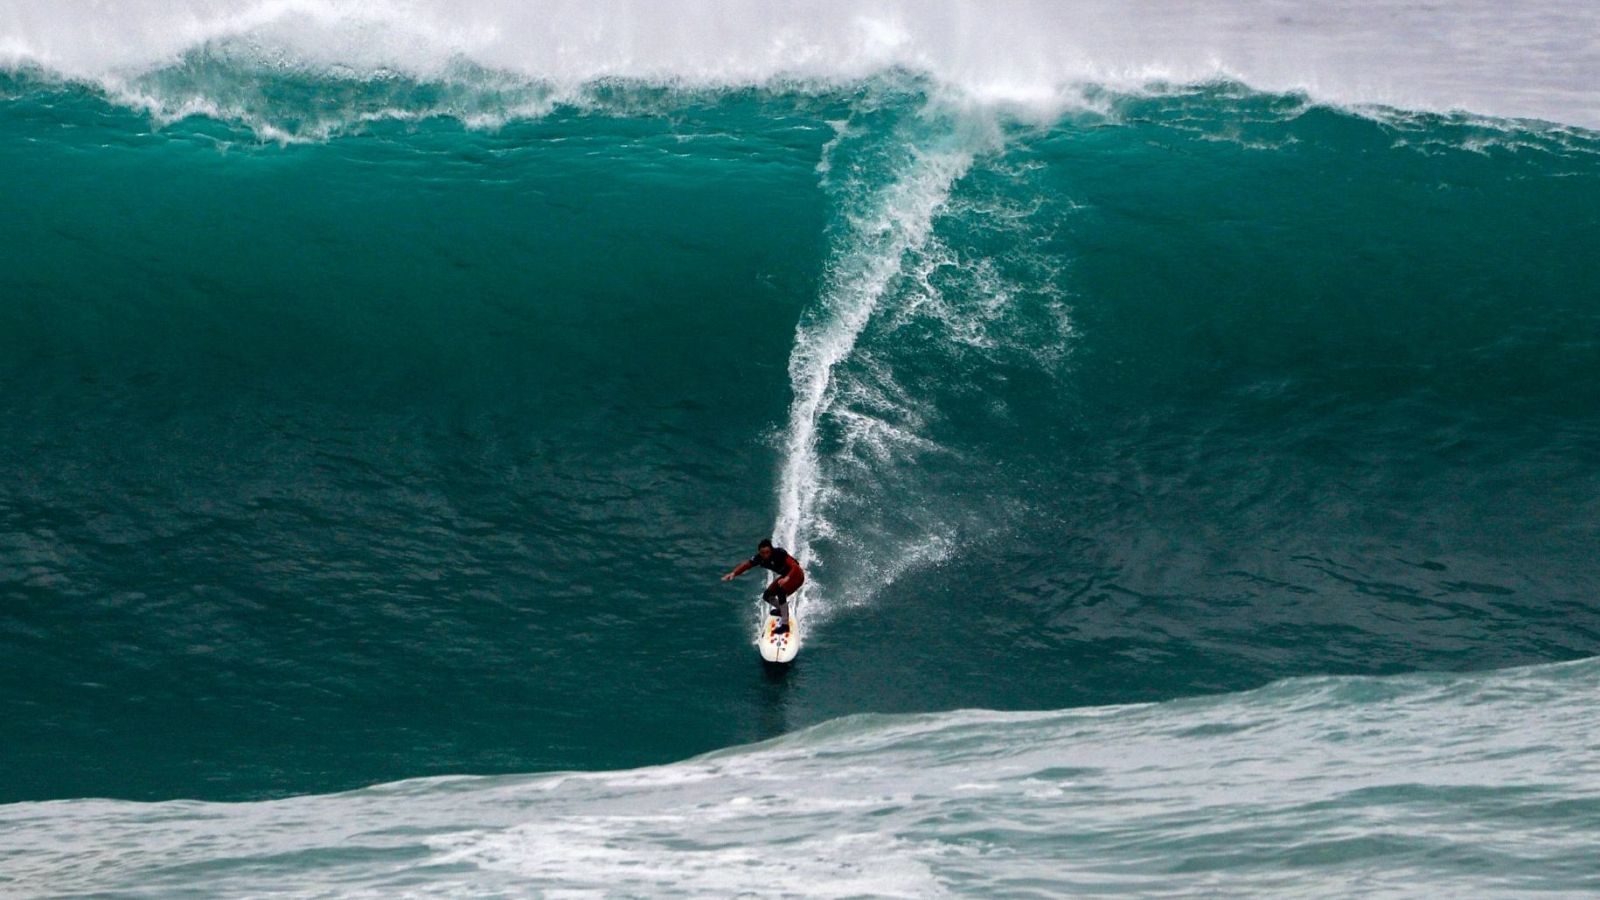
point(1523, 60)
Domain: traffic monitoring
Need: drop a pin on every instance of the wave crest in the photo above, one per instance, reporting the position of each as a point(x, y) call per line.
point(1523, 60)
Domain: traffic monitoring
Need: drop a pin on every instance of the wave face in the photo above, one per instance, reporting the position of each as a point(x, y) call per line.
point(1486, 784)
point(347, 461)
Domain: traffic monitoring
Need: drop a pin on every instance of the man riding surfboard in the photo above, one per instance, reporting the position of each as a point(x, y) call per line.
point(790, 577)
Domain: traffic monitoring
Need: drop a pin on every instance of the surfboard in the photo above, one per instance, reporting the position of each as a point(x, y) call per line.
point(780, 648)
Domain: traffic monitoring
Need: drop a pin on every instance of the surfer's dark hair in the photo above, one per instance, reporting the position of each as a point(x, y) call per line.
point(765, 542)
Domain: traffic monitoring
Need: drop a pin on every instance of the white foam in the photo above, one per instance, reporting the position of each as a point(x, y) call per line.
point(1538, 60)
point(621, 854)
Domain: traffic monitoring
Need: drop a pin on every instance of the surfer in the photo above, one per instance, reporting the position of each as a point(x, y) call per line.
point(790, 577)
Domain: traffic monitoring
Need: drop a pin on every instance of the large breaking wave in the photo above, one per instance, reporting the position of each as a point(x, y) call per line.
point(369, 369)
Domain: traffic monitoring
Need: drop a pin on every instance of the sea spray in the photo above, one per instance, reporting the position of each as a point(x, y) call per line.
point(1532, 60)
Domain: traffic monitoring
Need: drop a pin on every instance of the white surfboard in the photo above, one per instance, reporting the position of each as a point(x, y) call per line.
point(780, 648)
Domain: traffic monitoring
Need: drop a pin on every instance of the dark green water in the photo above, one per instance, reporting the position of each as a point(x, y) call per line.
point(418, 449)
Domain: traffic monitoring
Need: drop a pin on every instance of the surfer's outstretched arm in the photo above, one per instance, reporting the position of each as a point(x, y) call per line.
point(738, 570)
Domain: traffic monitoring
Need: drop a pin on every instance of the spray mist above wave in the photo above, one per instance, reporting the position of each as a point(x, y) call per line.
point(1513, 60)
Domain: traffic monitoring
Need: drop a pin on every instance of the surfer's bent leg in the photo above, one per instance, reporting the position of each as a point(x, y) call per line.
point(777, 593)
point(780, 601)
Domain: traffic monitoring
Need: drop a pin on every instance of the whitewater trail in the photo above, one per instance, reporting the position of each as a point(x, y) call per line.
point(886, 221)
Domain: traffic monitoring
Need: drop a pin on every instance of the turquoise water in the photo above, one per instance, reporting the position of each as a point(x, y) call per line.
point(351, 439)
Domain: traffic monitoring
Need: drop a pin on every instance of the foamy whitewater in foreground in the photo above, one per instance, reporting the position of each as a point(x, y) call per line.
point(1417, 785)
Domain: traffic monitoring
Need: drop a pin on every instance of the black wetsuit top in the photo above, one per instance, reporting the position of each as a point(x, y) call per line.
point(779, 561)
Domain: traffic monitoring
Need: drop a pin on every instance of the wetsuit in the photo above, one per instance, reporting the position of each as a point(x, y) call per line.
point(790, 577)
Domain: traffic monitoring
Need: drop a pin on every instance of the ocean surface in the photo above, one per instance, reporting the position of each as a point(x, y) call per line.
point(1190, 425)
